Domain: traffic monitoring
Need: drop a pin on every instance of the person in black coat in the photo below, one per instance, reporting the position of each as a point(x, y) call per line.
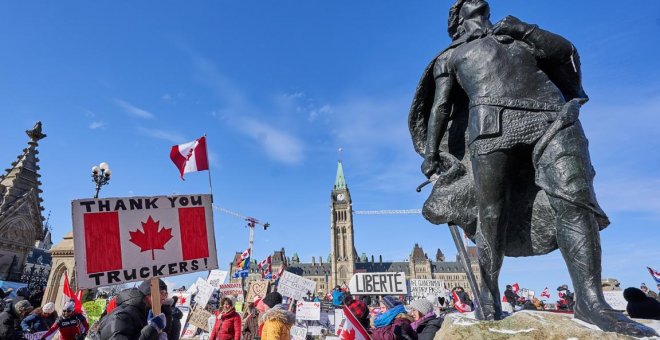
point(10, 320)
point(641, 306)
point(131, 318)
point(173, 317)
point(511, 296)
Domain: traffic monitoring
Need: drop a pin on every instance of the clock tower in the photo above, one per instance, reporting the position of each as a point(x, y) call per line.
point(343, 252)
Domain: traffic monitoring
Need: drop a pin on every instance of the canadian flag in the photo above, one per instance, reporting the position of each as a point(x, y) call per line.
point(545, 293)
point(460, 305)
point(515, 287)
point(131, 239)
point(191, 156)
point(266, 266)
point(68, 292)
point(351, 328)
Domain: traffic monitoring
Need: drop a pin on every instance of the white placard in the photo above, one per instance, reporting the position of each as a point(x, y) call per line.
point(421, 288)
point(204, 292)
point(230, 289)
point(308, 310)
point(339, 317)
point(378, 284)
point(129, 239)
point(295, 286)
point(217, 277)
point(183, 300)
point(615, 299)
point(315, 330)
point(298, 333)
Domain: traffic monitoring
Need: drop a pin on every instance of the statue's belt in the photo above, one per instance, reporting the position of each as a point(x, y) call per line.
point(550, 109)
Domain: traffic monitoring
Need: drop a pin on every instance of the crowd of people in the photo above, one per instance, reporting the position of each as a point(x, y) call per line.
point(128, 315)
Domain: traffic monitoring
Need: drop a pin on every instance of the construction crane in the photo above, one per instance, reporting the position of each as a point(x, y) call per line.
point(388, 212)
point(252, 222)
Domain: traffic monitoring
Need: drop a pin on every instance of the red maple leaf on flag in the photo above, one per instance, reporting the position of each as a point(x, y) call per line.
point(348, 335)
point(151, 238)
point(182, 300)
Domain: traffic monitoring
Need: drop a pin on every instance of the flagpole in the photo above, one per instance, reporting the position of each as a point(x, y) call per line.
point(209, 169)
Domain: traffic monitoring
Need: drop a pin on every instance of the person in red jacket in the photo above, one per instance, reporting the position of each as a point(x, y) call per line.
point(227, 323)
point(72, 325)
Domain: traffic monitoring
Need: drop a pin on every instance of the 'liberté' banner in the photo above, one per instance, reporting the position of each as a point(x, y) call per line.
point(120, 240)
point(378, 284)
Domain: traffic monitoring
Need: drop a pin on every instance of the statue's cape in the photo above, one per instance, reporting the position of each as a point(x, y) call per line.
point(531, 229)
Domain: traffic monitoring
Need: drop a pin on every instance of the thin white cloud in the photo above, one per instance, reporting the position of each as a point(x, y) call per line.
point(279, 145)
point(170, 136)
point(134, 110)
point(96, 125)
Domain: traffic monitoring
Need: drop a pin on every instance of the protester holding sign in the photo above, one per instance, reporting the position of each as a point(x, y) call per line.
point(72, 325)
point(393, 323)
point(228, 322)
point(277, 320)
point(130, 318)
point(40, 320)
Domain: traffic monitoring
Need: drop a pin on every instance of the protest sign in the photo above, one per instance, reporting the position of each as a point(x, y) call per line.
point(120, 240)
point(37, 335)
point(183, 300)
point(308, 310)
point(192, 290)
point(94, 309)
point(327, 306)
point(294, 286)
point(204, 292)
point(420, 288)
point(615, 299)
point(229, 289)
point(217, 277)
point(315, 330)
point(378, 284)
point(257, 288)
point(339, 317)
point(188, 331)
point(298, 333)
point(200, 318)
point(204, 336)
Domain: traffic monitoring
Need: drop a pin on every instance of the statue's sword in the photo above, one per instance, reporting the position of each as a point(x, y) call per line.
point(465, 260)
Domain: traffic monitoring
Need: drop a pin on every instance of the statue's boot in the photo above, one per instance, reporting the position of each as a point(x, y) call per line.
point(579, 241)
point(490, 263)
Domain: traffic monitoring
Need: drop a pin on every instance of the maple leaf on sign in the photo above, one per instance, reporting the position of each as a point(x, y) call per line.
point(182, 300)
point(151, 238)
point(348, 335)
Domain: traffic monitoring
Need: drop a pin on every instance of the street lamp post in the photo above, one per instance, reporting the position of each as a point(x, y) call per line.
point(101, 176)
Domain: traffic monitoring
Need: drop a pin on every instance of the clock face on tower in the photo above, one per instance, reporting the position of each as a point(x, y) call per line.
point(340, 197)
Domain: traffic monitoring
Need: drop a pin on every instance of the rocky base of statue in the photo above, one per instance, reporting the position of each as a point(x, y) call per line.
point(528, 325)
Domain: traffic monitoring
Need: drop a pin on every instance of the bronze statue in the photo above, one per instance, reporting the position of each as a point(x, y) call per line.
point(495, 117)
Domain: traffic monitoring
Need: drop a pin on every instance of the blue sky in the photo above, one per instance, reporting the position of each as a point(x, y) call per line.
point(279, 86)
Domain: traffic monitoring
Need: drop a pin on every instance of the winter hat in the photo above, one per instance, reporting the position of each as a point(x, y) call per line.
point(48, 308)
point(69, 306)
point(390, 301)
point(272, 299)
point(632, 294)
point(22, 306)
point(145, 286)
point(357, 307)
point(423, 306)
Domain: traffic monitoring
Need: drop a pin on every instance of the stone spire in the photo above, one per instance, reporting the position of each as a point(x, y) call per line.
point(21, 181)
point(340, 182)
point(439, 256)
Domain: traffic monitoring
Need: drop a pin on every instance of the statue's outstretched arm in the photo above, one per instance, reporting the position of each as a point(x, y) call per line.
point(444, 82)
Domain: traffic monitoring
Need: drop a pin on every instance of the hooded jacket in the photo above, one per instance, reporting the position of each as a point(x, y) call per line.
point(37, 322)
point(399, 329)
point(277, 323)
point(640, 305)
point(10, 324)
point(129, 319)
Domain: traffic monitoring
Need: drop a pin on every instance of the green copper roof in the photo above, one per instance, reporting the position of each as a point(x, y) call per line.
point(340, 182)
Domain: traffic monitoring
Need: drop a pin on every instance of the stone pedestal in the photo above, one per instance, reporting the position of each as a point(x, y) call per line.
point(528, 325)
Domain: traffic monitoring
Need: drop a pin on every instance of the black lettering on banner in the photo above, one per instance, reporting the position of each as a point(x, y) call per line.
point(368, 286)
point(113, 276)
point(150, 203)
point(144, 272)
point(130, 275)
point(97, 278)
point(158, 271)
point(193, 265)
point(183, 201)
point(172, 201)
point(120, 205)
point(135, 204)
point(172, 268)
point(383, 282)
point(397, 284)
point(88, 205)
point(104, 205)
point(183, 267)
point(196, 202)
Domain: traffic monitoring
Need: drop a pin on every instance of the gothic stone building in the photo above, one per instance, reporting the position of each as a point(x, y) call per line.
point(344, 261)
point(21, 221)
